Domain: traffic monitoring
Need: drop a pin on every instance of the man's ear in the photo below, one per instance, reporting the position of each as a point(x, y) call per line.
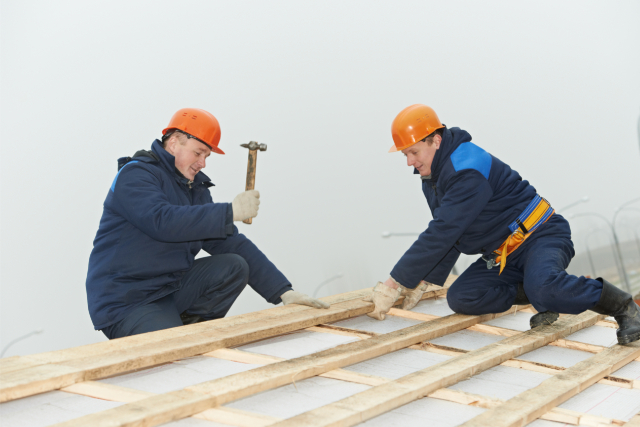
point(437, 140)
point(169, 146)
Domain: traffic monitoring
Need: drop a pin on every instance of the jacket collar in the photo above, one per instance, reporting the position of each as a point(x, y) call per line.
point(451, 140)
point(168, 161)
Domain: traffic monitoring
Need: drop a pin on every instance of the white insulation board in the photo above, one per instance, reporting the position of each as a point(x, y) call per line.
point(398, 364)
point(49, 408)
point(426, 412)
point(297, 344)
point(179, 374)
point(467, 340)
point(501, 382)
point(606, 401)
point(436, 307)
point(366, 323)
point(299, 397)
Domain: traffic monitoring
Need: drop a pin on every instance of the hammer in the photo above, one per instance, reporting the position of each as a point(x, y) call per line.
point(251, 166)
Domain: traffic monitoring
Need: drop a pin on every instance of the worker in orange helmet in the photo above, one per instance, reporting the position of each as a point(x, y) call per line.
point(482, 206)
point(158, 215)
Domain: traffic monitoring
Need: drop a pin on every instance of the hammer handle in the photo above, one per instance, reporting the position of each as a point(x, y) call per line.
point(251, 175)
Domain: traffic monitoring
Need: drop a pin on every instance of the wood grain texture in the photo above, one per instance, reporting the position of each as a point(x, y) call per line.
point(380, 399)
point(533, 403)
point(560, 415)
point(115, 393)
point(251, 175)
point(25, 376)
point(152, 411)
point(261, 359)
point(86, 364)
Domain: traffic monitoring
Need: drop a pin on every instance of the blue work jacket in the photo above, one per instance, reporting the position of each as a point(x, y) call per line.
point(473, 197)
point(153, 225)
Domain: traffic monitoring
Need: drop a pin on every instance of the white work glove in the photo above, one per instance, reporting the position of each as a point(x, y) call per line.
point(383, 297)
point(293, 297)
point(413, 296)
point(245, 205)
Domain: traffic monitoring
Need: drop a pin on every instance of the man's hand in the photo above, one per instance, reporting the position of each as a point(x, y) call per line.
point(293, 297)
point(384, 295)
point(413, 296)
point(245, 205)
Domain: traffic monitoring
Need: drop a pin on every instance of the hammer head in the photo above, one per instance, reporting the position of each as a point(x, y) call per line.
point(255, 146)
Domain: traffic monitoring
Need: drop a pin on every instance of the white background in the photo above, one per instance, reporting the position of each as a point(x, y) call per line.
point(550, 87)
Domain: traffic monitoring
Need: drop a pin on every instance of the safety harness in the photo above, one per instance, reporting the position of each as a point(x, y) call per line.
point(536, 213)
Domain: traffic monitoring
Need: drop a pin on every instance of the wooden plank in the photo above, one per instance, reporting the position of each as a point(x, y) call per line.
point(514, 363)
point(236, 417)
point(66, 367)
point(99, 349)
point(531, 404)
point(496, 330)
point(104, 391)
point(329, 329)
point(634, 422)
point(154, 410)
point(556, 414)
point(261, 359)
point(115, 393)
point(38, 379)
point(383, 398)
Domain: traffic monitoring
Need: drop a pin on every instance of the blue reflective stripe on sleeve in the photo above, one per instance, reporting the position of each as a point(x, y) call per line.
point(113, 185)
point(470, 156)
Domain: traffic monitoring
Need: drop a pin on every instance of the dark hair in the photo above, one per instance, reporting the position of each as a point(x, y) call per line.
point(432, 134)
point(166, 137)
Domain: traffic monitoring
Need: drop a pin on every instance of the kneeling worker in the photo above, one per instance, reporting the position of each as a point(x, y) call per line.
point(482, 206)
point(157, 216)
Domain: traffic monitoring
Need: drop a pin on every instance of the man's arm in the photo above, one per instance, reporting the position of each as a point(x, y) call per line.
point(439, 274)
point(466, 194)
point(140, 200)
point(264, 276)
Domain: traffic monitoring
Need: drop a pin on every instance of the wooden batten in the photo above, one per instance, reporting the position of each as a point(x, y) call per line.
point(531, 404)
point(233, 387)
point(385, 397)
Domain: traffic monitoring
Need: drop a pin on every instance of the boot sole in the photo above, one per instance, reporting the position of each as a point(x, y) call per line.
point(627, 339)
point(553, 317)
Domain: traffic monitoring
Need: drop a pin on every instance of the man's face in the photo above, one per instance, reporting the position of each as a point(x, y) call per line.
point(191, 154)
point(420, 155)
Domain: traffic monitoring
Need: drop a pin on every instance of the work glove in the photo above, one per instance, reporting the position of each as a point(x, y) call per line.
point(245, 205)
point(413, 296)
point(293, 297)
point(383, 297)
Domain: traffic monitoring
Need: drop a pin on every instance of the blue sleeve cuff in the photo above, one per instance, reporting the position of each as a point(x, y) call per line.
point(275, 299)
point(228, 227)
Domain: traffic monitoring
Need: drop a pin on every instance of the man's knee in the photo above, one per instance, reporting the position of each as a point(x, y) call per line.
point(456, 303)
point(238, 269)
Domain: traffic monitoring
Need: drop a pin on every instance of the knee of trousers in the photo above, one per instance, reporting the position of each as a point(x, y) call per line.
point(456, 302)
point(238, 269)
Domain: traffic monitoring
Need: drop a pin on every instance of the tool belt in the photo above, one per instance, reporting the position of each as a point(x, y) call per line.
point(536, 213)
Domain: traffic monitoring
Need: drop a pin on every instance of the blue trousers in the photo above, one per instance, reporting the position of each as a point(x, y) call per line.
point(540, 263)
point(207, 290)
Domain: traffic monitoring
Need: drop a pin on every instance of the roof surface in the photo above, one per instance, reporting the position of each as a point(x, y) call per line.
point(297, 366)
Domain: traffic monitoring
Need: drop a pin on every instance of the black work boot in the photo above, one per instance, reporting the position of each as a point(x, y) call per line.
point(538, 319)
point(619, 304)
point(543, 318)
point(188, 319)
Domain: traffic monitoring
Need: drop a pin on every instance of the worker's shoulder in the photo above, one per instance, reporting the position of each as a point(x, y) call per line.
point(130, 168)
point(469, 156)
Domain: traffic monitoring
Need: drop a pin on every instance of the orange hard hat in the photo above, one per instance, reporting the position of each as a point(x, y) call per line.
point(412, 125)
point(198, 123)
